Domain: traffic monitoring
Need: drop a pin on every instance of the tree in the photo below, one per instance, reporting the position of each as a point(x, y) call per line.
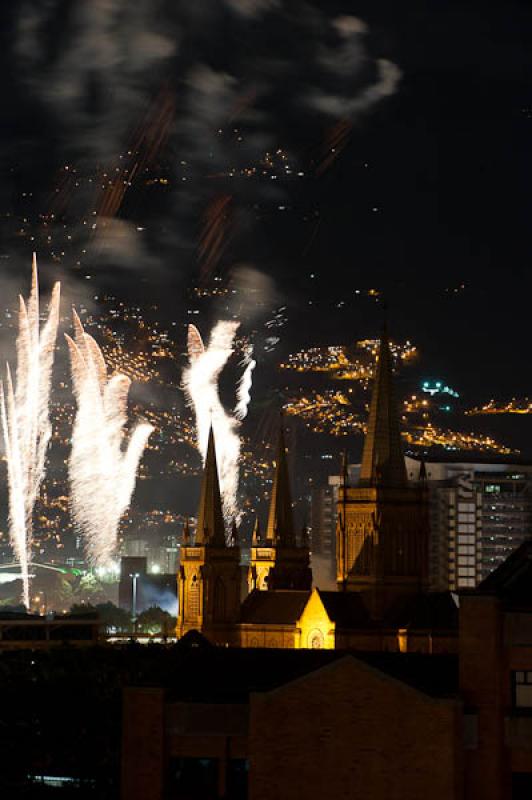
point(156, 621)
point(113, 618)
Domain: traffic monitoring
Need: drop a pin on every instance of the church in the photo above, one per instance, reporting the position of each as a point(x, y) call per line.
point(382, 602)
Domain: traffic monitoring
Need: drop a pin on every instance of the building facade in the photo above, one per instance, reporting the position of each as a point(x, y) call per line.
point(479, 514)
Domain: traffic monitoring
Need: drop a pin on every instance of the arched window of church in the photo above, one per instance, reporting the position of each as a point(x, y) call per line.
point(316, 640)
point(219, 600)
point(193, 597)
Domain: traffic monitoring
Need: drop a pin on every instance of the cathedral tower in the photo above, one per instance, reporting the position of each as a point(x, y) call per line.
point(278, 561)
point(209, 572)
point(382, 529)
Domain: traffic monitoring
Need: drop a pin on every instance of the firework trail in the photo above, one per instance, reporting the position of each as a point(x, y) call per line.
point(24, 409)
point(102, 471)
point(200, 382)
point(243, 395)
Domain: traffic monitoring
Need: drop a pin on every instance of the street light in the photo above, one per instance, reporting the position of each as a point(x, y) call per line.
point(134, 577)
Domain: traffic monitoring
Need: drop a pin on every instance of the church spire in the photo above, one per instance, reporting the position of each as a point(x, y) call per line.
point(210, 528)
point(382, 459)
point(280, 530)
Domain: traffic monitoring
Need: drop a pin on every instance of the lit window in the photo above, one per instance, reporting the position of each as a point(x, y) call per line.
point(522, 685)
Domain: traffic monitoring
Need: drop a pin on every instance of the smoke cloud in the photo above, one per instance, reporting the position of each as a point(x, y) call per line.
point(132, 91)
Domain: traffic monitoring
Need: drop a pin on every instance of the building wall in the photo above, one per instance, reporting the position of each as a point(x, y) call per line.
point(143, 745)
point(282, 636)
point(348, 731)
point(324, 513)
point(316, 629)
point(479, 514)
point(494, 643)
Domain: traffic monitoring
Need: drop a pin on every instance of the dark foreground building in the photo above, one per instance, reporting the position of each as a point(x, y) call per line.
point(196, 721)
point(262, 724)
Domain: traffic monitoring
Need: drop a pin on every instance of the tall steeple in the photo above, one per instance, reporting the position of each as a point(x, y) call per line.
point(383, 525)
point(280, 530)
point(277, 561)
point(209, 577)
point(382, 459)
point(210, 529)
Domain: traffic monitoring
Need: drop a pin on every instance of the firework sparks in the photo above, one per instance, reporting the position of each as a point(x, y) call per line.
point(25, 419)
point(243, 394)
point(200, 381)
point(102, 471)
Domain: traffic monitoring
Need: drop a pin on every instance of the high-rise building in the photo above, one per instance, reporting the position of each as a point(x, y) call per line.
point(324, 513)
point(480, 512)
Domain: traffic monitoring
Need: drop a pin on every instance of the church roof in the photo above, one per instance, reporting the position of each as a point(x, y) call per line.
point(426, 611)
point(210, 528)
point(346, 609)
point(382, 458)
point(274, 607)
point(280, 529)
point(512, 580)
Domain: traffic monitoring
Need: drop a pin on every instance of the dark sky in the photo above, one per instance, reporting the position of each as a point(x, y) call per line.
point(427, 103)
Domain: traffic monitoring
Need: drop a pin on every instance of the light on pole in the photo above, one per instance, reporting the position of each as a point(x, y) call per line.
point(134, 577)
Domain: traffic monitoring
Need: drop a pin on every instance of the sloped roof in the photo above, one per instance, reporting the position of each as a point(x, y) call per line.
point(512, 580)
point(274, 607)
point(346, 609)
point(426, 611)
point(220, 674)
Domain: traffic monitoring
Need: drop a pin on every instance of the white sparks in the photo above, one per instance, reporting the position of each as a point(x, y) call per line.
point(243, 395)
point(201, 386)
point(25, 417)
point(102, 471)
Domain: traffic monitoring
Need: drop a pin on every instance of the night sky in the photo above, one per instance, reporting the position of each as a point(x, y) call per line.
point(411, 124)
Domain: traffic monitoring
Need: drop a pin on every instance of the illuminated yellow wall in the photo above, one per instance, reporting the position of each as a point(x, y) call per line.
point(262, 560)
point(277, 636)
point(317, 630)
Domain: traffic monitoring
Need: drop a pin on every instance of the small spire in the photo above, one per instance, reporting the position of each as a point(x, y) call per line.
point(280, 528)
point(345, 470)
point(186, 532)
point(210, 529)
point(234, 533)
point(255, 539)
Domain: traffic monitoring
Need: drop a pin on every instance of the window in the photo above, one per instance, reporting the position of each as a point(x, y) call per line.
point(316, 640)
point(193, 778)
point(466, 572)
point(521, 785)
point(237, 779)
point(193, 598)
point(466, 528)
point(522, 689)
